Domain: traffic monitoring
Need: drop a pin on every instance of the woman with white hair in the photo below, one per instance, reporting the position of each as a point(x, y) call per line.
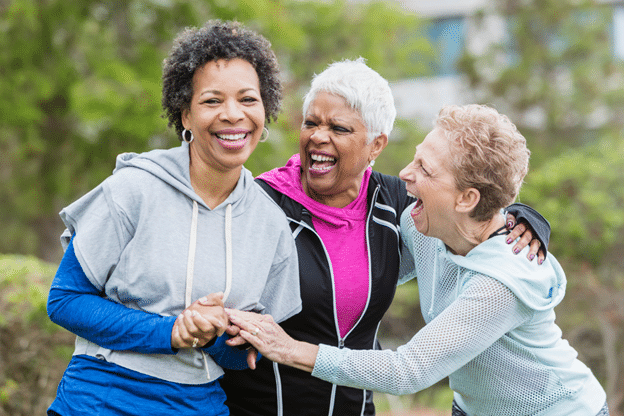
point(490, 324)
point(345, 219)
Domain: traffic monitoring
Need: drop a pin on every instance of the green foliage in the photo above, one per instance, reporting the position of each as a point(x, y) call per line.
point(80, 83)
point(554, 74)
point(33, 351)
point(581, 193)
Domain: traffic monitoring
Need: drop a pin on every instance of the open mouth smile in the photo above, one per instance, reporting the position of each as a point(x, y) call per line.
point(418, 207)
point(233, 141)
point(321, 164)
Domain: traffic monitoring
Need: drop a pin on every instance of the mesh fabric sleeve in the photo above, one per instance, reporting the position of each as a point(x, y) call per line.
point(483, 313)
point(78, 306)
point(407, 268)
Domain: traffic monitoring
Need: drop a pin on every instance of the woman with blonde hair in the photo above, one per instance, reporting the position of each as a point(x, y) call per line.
point(490, 324)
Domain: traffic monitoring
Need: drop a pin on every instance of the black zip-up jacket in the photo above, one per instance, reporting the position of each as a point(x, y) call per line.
point(278, 390)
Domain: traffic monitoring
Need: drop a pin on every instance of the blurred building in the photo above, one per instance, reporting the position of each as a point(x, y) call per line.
point(452, 30)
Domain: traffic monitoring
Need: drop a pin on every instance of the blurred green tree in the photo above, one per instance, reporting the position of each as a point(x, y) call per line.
point(80, 83)
point(556, 77)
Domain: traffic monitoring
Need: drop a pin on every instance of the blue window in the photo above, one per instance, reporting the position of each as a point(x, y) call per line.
point(447, 36)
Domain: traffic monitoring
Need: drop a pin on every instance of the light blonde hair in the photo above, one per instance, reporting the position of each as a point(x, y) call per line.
point(488, 153)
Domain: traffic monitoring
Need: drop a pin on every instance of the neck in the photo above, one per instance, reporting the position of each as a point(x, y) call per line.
point(213, 186)
point(469, 233)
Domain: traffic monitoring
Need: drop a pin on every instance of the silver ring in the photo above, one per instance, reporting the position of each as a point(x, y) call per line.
point(195, 342)
point(255, 331)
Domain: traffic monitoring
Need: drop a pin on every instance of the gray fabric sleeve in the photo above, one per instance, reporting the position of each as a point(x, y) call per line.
point(100, 233)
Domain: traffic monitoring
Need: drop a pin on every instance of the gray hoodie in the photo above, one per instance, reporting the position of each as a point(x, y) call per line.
point(146, 239)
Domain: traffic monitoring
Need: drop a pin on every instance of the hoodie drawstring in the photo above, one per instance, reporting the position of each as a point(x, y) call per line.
point(228, 251)
point(190, 267)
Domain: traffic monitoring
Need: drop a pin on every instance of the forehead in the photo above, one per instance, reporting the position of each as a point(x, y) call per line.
point(435, 148)
point(231, 73)
point(329, 105)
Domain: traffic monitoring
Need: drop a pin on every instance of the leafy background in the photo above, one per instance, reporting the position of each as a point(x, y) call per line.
point(80, 83)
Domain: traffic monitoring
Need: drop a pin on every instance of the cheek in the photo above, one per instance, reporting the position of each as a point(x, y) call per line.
point(354, 155)
point(304, 138)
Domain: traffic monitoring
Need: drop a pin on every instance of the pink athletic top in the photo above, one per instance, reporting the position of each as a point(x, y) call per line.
point(343, 232)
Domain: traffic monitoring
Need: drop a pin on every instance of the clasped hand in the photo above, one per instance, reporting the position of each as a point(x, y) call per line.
point(203, 321)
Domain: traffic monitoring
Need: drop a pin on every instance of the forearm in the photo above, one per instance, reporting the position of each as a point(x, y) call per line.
point(455, 337)
point(78, 306)
point(109, 324)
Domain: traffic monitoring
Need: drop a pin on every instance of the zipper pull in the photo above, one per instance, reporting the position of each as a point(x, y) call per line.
point(341, 343)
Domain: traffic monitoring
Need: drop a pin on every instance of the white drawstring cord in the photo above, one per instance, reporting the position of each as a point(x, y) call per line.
point(190, 267)
point(228, 251)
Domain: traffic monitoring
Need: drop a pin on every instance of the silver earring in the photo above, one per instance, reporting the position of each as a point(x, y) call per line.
point(372, 163)
point(265, 134)
point(184, 136)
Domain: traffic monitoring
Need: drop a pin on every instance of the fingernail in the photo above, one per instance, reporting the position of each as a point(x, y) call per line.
point(203, 300)
point(516, 250)
point(540, 261)
point(194, 313)
point(531, 257)
point(509, 240)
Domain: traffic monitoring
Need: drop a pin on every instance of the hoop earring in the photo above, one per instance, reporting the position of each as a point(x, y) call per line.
point(265, 135)
point(184, 136)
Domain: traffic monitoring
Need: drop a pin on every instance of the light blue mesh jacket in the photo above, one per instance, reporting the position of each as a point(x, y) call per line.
point(490, 328)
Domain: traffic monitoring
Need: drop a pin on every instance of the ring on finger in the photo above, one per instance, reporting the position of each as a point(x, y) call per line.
point(255, 331)
point(195, 342)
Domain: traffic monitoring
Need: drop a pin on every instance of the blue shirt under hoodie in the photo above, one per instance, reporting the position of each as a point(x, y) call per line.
point(148, 243)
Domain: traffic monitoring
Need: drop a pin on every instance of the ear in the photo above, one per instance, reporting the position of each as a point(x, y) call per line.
point(185, 117)
point(378, 144)
point(467, 200)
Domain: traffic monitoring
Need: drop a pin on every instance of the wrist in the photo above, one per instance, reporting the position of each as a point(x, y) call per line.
point(303, 356)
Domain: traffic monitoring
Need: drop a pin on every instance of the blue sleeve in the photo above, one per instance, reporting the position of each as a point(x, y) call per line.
point(78, 306)
point(232, 358)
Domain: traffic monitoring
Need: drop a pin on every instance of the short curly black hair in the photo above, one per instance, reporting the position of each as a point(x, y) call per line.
point(194, 47)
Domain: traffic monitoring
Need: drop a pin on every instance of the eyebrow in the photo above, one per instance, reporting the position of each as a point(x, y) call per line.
point(218, 92)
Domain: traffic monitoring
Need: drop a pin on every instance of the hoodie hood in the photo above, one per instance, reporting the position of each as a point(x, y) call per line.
point(172, 167)
point(540, 287)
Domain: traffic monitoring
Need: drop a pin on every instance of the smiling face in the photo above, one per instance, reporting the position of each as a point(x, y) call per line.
point(333, 149)
point(429, 179)
point(226, 114)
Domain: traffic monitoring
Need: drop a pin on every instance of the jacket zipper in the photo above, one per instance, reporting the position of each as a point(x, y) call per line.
point(341, 340)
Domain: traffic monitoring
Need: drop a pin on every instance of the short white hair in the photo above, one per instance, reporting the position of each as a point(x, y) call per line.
point(365, 91)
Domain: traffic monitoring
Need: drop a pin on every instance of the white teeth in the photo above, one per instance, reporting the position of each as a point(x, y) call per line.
point(321, 169)
point(321, 158)
point(232, 137)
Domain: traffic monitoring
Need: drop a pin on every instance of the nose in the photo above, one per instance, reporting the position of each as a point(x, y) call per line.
point(320, 136)
point(406, 173)
point(232, 111)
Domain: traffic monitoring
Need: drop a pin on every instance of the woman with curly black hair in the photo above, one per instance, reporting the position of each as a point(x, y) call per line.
point(170, 226)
